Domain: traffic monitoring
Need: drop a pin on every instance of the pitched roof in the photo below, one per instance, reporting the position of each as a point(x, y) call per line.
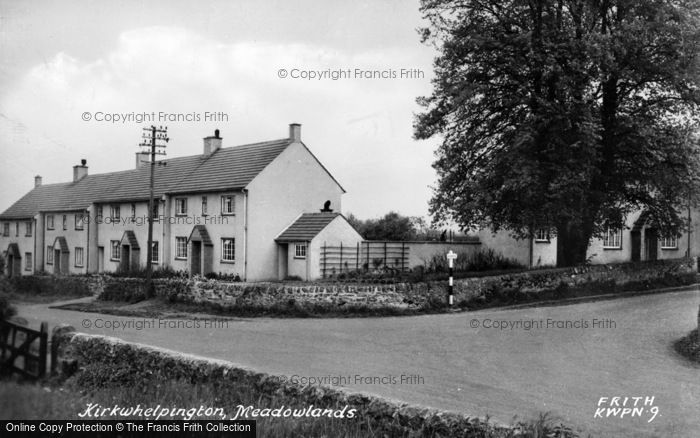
point(226, 169)
point(199, 233)
point(130, 239)
point(306, 227)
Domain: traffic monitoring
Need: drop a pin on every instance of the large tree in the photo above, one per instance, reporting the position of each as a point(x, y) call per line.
point(567, 114)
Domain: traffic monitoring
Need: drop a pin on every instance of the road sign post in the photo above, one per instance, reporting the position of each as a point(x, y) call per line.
point(451, 257)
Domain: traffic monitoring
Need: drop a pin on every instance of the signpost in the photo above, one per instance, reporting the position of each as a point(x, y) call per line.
point(451, 257)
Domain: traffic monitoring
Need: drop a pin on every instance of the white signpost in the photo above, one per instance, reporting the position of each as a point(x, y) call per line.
point(451, 257)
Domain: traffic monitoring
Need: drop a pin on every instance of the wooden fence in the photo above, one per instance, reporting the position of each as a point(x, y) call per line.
point(19, 352)
point(364, 256)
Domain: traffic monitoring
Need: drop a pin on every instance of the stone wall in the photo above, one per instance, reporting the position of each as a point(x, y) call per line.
point(139, 363)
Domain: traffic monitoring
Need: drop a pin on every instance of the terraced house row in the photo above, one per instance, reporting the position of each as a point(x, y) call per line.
point(253, 210)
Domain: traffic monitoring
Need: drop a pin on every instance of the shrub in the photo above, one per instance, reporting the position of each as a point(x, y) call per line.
point(7, 310)
point(49, 285)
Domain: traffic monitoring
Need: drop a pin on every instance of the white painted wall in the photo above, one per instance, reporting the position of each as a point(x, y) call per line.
point(337, 231)
point(292, 184)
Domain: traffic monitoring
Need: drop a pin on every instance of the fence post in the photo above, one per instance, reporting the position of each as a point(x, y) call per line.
point(341, 257)
point(43, 340)
point(324, 259)
point(357, 257)
point(367, 243)
point(385, 254)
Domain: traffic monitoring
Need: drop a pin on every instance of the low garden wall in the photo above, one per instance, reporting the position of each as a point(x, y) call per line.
point(469, 292)
point(117, 363)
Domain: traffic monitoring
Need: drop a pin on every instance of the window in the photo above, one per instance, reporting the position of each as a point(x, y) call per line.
point(181, 247)
point(114, 213)
point(227, 205)
point(116, 252)
point(79, 221)
point(28, 229)
point(27, 261)
point(49, 255)
point(154, 252)
point(299, 250)
point(542, 235)
point(133, 213)
point(16, 229)
point(204, 205)
point(669, 242)
point(49, 222)
point(78, 257)
point(612, 238)
point(180, 206)
point(156, 214)
point(6, 229)
point(228, 253)
point(64, 222)
point(99, 214)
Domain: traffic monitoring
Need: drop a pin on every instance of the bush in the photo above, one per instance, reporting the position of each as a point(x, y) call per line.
point(7, 310)
point(49, 285)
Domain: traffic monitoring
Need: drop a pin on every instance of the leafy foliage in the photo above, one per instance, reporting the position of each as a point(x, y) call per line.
point(568, 114)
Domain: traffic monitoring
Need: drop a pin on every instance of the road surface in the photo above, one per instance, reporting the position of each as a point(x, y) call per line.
point(561, 359)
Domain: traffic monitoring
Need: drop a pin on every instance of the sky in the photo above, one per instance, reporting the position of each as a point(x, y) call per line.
point(80, 79)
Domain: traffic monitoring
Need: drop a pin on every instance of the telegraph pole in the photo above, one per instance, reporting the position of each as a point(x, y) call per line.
point(153, 138)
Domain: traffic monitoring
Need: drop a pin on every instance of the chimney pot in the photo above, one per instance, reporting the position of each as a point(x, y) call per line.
point(216, 133)
point(83, 162)
point(37, 181)
point(295, 132)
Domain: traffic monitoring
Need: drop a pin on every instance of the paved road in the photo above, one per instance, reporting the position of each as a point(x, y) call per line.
point(477, 371)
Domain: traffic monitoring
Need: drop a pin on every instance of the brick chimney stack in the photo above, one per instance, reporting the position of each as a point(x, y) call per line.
point(37, 181)
point(295, 132)
point(212, 143)
point(80, 171)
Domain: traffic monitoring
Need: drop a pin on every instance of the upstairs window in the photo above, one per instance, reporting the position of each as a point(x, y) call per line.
point(115, 213)
point(49, 223)
point(99, 214)
point(6, 229)
point(204, 205)
point(133, 213)
point(156, 211)
point(612, 238)
point(180, 206)
point(227, 205)
point(79, 221)
point(28, 229)
point(64, 222)
point(16, 229)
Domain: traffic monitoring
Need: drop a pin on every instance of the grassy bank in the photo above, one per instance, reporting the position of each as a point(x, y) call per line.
point(689, 346)
point(51, 400)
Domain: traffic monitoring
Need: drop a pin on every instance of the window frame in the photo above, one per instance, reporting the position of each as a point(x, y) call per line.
point(155, 252)
point(49, 254)
point(542, 231)
point(28, 261)
point(223, 250)
point(180, 206)
point(232, 211)
point(64, 222)
point(178, 240)
point(28, 228)
point(79, 222)
point(17, 229)
point(303, 246)
point(664, 240)
point(115, 213)
point(50, 222)
point(205, 206)
point(79, 250)
point(112, 247)
point(606, 238)
point(6, 229)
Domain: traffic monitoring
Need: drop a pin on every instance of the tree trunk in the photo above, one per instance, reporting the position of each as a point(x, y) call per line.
point(572, 243)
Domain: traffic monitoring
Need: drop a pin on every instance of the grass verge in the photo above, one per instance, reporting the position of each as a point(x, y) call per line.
point(65, 400)
point(689, 346)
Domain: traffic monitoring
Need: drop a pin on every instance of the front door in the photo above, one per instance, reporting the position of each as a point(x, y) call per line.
point(196, 263)
point(636, 237)
point(57, 262)
point(124, 263)
point(10, 266)
point(651, 241)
